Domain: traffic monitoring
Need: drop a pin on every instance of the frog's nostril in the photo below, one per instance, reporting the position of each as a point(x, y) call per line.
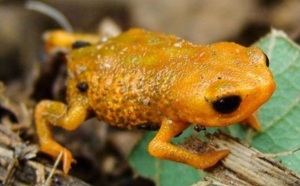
point(227, 105)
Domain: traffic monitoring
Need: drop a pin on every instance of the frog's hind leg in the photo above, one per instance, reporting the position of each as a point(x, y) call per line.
point(49, 113)
point(161, 148)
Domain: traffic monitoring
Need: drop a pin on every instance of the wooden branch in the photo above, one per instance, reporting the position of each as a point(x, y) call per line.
point(17, 166)
point(246, 166)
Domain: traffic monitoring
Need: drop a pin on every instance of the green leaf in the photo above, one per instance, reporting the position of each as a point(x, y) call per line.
point(281, 115)
point(280, 118)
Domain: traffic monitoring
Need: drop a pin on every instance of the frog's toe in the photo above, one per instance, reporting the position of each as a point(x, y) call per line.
point(214, 157)
point(209, 159)
point(67, 160)
point(54, 149)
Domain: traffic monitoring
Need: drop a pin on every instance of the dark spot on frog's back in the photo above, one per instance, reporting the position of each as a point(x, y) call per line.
point(82, 86)
point(148, 126)
point(80, 44)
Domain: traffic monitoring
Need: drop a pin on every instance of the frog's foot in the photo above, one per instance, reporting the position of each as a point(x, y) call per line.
point(52, 148)
point(207, 160)
point(173, 153)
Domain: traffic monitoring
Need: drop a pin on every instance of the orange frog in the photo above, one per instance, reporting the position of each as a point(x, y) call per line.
point(143, 79)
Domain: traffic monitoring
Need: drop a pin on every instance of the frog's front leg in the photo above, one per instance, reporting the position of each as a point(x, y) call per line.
point(161, 148)
point(49, 113)
point(252, 121)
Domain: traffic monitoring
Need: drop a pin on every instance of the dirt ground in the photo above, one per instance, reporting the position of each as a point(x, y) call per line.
point(29, 75)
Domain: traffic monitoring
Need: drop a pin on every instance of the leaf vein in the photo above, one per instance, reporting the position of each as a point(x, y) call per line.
point(279, 118)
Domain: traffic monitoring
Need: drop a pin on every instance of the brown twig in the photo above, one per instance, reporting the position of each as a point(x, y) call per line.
point(246, 166)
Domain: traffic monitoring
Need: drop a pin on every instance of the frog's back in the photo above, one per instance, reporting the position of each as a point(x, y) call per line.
point(129, 76)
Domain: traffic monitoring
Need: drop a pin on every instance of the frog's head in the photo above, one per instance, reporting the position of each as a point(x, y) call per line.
point(234, 83)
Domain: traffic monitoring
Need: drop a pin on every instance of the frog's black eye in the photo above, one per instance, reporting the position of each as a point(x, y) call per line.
point(227, 105)
point(80, 44)
point(267, 61)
